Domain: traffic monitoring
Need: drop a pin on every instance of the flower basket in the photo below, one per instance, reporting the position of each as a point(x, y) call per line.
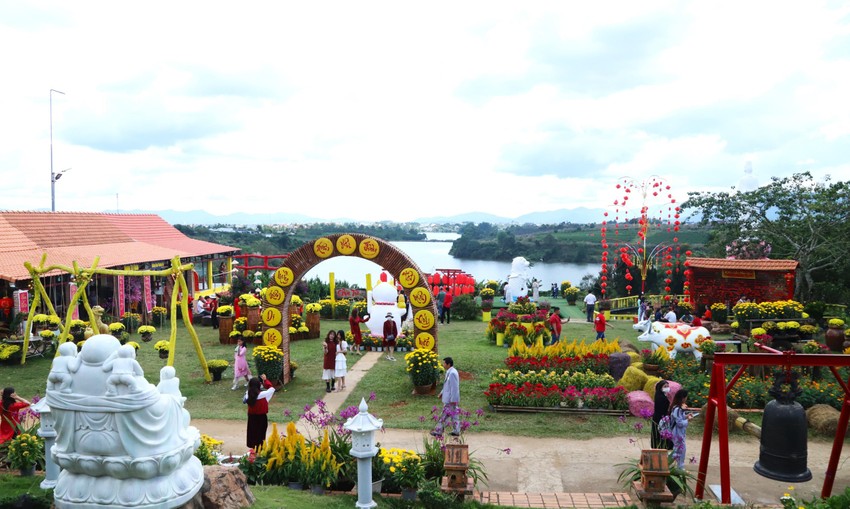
point(253, 318)
point(423, 367)
point(225, 327)
point(268, 360)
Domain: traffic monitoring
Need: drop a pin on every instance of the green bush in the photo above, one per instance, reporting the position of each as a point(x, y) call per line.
point(464, 307)
point(815, 309)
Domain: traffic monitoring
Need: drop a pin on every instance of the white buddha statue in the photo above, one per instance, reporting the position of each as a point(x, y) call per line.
point(120, 442)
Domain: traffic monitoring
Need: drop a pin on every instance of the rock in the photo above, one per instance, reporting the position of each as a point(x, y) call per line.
point(225, 488)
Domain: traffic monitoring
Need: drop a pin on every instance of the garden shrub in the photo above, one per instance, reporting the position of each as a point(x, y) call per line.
point(649, 386)
point(617, 364)
point(634, 379)
point(464, 307)
point(815, 309)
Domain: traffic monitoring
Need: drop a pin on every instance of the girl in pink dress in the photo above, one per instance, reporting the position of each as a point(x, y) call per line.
point(240, 365)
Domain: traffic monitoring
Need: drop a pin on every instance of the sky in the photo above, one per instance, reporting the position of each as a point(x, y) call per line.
point(400, 110)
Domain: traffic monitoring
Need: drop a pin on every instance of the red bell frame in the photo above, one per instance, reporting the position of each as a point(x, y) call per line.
point(717, 404)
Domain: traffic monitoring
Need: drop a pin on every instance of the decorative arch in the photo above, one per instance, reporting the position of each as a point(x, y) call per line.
point(280, 288)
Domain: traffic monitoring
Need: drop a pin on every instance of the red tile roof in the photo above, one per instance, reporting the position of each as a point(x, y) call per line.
point(118, 239)
point(725, 264)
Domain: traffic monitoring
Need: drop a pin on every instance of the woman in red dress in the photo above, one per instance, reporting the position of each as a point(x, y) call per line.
point(12, 404)
point(354, 322)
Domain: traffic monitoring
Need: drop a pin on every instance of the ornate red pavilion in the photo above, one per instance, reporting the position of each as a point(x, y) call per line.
point(725, 280)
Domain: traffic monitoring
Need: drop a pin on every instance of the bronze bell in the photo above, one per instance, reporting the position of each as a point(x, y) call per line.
point(784, 433)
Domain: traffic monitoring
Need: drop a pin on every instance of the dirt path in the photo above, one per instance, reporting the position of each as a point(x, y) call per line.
point(537, 465)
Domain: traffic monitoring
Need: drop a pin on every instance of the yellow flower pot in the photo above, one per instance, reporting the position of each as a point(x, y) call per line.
point(500, 339)
point(485, 316)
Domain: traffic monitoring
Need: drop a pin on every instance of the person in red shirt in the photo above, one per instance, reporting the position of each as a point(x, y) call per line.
point(447, 307)
point(555, 322)
point(12, 404)
point(599, 324)
point(258, 410)
point(329, 361)
point(354, 322)
point(696, 322)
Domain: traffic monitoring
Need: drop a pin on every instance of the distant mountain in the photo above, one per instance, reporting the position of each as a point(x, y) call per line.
point(578, 215)
point(469, 217)
point(203, 217)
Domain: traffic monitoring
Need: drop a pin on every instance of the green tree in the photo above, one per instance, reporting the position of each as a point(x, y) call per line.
point(801, 218)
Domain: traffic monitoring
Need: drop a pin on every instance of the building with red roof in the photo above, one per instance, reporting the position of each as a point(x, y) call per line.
point(121, 241)
point(726, 280)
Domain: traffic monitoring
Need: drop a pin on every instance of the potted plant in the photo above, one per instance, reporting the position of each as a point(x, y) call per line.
point(217, 367)
point(117, 330)
point(53, 322)
point(162, 347)
point(719, 313)
point(570, 293)
point(320, 465)
point(292, 367)
point(240, 324)
point(135, 345)
point(424, 369)
point(807, 331)
point(760, 335)
point(834, 334)
point(405, 469)
point(312, 319)
point(225, 324)
point(131, 321)
point(677, 481)
point(209, 451)
point(269, 360)
point(40, 321)
point(47, 335)
point(654, 361)
point(159, 314)
point(25, 452)
point(146, 331)
point(77, 329)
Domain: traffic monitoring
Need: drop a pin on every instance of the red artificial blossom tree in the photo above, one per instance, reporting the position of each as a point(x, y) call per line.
point(657, 209)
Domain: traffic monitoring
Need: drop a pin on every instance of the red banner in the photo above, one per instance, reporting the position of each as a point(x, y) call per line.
point(121, 294)
point(146, 284)
point(22, 301)
point(72, 289)
point(350, 293)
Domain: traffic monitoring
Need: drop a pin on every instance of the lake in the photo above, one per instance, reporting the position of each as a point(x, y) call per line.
point(431, 256)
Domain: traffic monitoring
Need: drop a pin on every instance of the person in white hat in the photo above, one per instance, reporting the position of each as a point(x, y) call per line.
point(390, 333)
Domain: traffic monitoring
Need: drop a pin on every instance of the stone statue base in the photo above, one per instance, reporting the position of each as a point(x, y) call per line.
point(80, 491)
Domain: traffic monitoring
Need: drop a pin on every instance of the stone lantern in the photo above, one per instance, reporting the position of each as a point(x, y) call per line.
point(48, 433)
point(363, 427)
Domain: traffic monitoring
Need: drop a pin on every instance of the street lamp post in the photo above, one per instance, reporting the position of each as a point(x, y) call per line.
point(53, 177)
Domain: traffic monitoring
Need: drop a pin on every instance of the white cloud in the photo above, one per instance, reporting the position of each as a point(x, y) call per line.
point(387, 110)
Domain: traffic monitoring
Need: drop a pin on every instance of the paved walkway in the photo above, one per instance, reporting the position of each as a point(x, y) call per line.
point(557, 472)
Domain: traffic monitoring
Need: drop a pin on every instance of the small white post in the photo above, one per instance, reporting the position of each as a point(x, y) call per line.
point(363, 427)
point(48, 433)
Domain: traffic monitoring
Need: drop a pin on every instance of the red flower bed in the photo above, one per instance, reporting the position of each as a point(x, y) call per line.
point(539, 395)
point(597, 363)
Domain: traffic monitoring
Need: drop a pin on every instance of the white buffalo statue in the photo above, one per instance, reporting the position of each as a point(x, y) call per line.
point(675, 337)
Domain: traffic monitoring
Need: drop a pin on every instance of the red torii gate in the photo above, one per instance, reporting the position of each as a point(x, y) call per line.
point(717, 403)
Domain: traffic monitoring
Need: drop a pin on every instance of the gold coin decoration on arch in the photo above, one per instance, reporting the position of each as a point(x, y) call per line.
point(281, 287)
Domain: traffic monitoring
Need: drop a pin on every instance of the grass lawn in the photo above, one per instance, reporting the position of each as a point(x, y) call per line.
point(465, 341)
